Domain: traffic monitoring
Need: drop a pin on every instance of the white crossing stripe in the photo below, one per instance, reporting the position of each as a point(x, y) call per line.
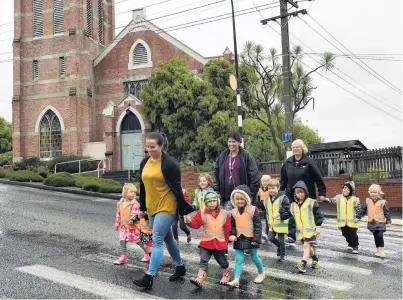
point(361, 247)
point(89, 285)
point(321, 252)
point(325, 265)
point(364, 236)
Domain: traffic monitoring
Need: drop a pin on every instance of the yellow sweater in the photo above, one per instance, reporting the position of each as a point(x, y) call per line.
point(159, 197)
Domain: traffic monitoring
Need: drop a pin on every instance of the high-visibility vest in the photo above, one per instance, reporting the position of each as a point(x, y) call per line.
point(375, 210)
point(346, 213)
point(263, 195)
point(244, 222)
point(200, 199)
point(125, 216)
point(213, 228)
point(304, 218)
point(276, 225)
point(145, 226)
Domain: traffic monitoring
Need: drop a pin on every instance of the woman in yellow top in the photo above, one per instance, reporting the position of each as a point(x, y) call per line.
point(162, 197)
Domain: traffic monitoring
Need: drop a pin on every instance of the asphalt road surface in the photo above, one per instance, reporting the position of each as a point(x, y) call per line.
point(62, 246)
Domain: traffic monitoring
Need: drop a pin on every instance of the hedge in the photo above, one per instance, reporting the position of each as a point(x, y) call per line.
point(60, 179)
point(6, 158)
point(95, 184)
point(72, 167)
point(24, 176)
point(3, 173)
point(81, 180)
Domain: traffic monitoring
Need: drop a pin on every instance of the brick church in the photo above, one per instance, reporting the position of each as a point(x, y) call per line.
point(77, 86)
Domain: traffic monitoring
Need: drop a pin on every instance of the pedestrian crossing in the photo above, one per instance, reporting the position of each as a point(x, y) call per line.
point(336, 276)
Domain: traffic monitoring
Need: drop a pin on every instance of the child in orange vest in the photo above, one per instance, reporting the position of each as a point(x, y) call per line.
point(146, 238)
point(216, 226)
point(246, 232)
point(127, 221)
point(262, 194)
point(378, 216)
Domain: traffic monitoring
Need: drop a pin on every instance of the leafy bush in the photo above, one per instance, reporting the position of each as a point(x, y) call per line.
point(206, 167)
point(27, 164)
point(95, 184)
point(74, 166)
point(191, 192)
point(3, 173)
point(6, 158)
point(41, 170)
point(372, 175)
point(137, 185)
point(24, 176)
point(60, 179)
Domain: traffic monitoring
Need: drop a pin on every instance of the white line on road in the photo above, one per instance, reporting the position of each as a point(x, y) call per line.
point(361, 247)
point(368, 238)
point(89, 285)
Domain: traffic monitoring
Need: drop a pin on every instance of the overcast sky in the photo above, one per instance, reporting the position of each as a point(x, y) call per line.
point(364, 27)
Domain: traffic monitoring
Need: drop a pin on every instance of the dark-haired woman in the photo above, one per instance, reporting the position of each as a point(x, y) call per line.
point(235, 166)
point(162, 197)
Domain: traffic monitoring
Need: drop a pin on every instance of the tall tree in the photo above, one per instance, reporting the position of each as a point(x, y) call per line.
point(262, 83)
point(5, 135)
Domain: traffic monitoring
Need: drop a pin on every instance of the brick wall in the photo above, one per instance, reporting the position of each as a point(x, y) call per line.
point(392, 190)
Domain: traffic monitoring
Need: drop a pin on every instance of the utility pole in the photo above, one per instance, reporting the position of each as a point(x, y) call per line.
point(285, 43)
point(238, 89)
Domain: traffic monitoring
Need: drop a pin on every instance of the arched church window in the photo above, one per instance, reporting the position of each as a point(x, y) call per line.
point(130, 122)
point(140, 56)
point(50, 136)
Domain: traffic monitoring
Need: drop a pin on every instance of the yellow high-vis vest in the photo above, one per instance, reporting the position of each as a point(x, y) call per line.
point(346, 211)
point(304, 218)
point(276, 225)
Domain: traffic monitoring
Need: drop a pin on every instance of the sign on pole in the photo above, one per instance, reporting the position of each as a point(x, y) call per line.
point(285, 137)
point(232, 82)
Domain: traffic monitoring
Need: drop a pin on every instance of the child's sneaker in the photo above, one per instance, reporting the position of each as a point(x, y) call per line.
point(382, 254)
point(260, 277)
point(349, 247)
point(121, 260)
point(315, 264)
point(378, 254)
point(189, 238)
point(225, 276)
point(355, 250)
point(301, 266)
point(234, 283)
point(281, 258)
point(146, 257)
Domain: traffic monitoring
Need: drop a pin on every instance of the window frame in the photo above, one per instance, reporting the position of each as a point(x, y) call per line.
point(35, 69)
point(131, 65)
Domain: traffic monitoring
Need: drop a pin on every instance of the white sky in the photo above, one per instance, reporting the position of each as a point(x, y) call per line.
point(363, 27)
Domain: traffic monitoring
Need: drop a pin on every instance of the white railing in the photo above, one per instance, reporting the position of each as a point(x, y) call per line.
point(103, 165)
point(98, 169)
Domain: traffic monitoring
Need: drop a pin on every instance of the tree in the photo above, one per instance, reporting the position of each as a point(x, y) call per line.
point(262, 83)
point(171, 104)
point(5, 136)
point(260, 143)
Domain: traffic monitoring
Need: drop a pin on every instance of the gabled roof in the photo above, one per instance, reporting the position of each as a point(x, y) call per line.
point(139, 23)
point(353, 145)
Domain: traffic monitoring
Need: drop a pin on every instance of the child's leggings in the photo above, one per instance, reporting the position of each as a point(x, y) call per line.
point(240, 256)
point(123, 247)
point(378, 236)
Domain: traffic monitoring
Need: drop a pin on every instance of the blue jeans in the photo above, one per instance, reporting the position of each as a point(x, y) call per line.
point(239, 258)
point(162, 232)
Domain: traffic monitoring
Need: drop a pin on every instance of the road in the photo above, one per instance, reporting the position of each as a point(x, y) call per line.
point(57, 245)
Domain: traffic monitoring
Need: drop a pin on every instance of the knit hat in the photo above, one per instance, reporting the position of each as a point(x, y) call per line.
point(211, 196)
point(350, 185)
point(245, 191)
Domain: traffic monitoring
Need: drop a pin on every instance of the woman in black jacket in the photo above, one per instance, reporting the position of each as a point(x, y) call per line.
point(162, 197)
point(235, 166)
point(300, 167)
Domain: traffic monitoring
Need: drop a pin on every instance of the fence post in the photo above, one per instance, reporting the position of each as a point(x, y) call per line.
point(79, 167)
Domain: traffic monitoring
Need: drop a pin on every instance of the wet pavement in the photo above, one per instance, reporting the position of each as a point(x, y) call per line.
point(62, 246)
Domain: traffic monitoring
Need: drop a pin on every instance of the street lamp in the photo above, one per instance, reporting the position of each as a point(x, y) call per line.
point(238, 90)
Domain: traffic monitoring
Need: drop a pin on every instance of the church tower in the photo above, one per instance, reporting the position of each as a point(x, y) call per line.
point(55, 44)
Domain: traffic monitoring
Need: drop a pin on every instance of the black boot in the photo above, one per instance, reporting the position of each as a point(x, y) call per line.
point(180, 271)
point(146, 281)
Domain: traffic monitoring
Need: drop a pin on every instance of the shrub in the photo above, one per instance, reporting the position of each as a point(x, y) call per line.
point(372, 175)
point(137, 185)
point(74, 166)
point(93, 186)
point(6, 158)
point(110, 186)
point(24, 176)
point(60, 179)
point(206, 167)
point(191, 192)
point(81, 180)
point(41, 170)
point(3, 173)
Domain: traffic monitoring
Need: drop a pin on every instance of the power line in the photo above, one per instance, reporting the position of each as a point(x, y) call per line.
point(385, 81)
point(339, 76)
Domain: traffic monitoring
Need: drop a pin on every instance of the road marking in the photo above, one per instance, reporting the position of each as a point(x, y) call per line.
point(321, 252)
point(364, 231)
point(366, 247)
point(89, 285)
point(362, 236)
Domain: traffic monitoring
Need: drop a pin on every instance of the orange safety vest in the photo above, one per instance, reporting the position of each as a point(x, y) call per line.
point(125, 216)
point(145, 226)
point(213, 228)
point(244, 222)
point(375, 210)
point(263, 195)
